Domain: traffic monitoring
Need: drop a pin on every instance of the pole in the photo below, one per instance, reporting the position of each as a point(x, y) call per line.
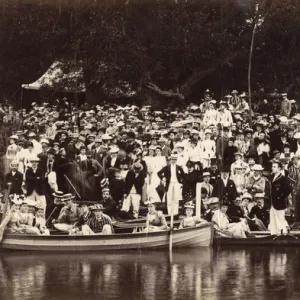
point(72, 186)
point(172, 218)
point(198, 199)
point(55, 208)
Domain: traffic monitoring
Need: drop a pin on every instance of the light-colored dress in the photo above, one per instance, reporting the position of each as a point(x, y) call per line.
point(222, 224)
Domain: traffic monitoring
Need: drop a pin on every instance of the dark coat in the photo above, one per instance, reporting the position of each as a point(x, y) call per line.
point(261, 214)
point(117, 187)
point(280, 189)
point(110, 207)
point(229, 153)
point(166, 172)
point(189, 183)
point(235, 213)
point(133, 180)
point(35, 181)
point(220, 191)
point(16, 182)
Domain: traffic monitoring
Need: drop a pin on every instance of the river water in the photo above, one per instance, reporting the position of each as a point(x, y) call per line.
point(253, 273)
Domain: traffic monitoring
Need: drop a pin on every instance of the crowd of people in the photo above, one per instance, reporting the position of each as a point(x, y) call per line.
point(241, 165)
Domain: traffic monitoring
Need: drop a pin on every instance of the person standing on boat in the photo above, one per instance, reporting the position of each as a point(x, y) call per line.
point(99, 223)
point(174, 176)
point(280, 190)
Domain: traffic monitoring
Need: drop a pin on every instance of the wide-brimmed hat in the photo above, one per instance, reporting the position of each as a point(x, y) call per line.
point(14, 198)
point(214, 200)
point(114, 150)
point(58, 194)
point(14, 163)
point(174, 156)
point(34, 159)
point(14, 137)
point(137, 167)
point(257, 167)
point(67, 197)
point(206, 173)
point(246, 196)
point(96, 207)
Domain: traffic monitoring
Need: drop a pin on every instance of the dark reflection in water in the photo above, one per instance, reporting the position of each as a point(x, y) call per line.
point(262, 273)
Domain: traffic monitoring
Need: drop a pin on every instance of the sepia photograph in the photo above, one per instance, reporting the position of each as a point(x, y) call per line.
point(149, 149)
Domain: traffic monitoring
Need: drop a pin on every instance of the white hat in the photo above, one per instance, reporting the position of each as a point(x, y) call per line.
point(206, 174)
point(106, 137)
point(257, 167)
point(14, 137)
point(207, 131)
point(111, 121)
point(120, 124)
point(246, 196)
point(174, 156)
point(45, 141)
point(35, 158)
point(14, 162)
point(297, 136)
point(284, 94)
point(114, 150)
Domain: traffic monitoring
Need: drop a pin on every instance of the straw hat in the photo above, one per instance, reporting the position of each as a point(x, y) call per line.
point(190, 205)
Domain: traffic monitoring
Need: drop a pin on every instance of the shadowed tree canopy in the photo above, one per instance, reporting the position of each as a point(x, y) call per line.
point(168, 49)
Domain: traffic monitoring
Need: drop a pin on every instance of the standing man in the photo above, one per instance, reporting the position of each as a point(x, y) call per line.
point(15, 178)
point(280, 189)
point(294, 178)
point(174, 176)
point(286, 106)
point(134, 183)
point(35, 183)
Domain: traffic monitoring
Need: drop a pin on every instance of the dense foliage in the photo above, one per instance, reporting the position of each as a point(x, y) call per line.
point(164, 49)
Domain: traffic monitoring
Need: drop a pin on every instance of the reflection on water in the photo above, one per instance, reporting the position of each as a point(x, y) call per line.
point(262, 273)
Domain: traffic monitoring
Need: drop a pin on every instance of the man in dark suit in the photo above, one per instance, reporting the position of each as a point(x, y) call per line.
point(133, 189)
point(15, 178)
point(99, 152)
point(174, 177)
point(280, 189)
point(35, 183)
point(224, 186)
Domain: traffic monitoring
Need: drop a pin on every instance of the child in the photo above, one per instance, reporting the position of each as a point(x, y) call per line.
point(40, 221)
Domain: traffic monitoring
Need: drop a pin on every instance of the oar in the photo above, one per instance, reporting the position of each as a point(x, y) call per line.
point(72, 186)
point(3, 221)
point(55, 208)
point(172, 219)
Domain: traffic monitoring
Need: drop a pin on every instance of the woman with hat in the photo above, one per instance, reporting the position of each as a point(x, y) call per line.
point(189, 182)
point(190, 220)
point(156, 221)
point(210, 115)
point(225, 227)
point(224, 116)
point(12, 149)
point(207, 149)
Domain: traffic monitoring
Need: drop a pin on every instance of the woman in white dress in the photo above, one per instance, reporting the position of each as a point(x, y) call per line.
point(207, 149)
point(158, 163)
point(149, 159)
point(224, 227)
point(210, 116)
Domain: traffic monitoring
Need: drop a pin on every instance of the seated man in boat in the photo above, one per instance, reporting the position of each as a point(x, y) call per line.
point(212, 207)
point(190, 220)
point(99, 223)
point(225, 227)
point(85, 215)
point(108, 202)
point(69, 214)
point(260, 211)
point(156, 221)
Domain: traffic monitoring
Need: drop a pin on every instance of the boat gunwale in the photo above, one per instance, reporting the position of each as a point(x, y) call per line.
point(113, 236)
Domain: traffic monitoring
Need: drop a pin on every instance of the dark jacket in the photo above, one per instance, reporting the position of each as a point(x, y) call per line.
point(110, 206)
point(235, 213)
point(280, 189)
point(133, 180)
point(16, 182)
point(35, 181)
point(220, 191)
point(261, 214)
point(189, 183)
point(117, 187)
point(166, 172)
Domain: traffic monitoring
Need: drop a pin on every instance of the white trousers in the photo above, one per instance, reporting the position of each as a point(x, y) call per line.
point(174, 195)
point(277, 221)
point(134, 200)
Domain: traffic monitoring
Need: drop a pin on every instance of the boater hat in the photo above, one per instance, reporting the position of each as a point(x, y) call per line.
point(96, 207)
point(257, 168)
point(190, 205)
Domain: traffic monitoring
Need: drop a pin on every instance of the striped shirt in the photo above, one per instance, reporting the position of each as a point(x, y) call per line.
point(97, 225)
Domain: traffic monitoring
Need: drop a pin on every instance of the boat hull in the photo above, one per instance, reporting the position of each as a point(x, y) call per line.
point(201, 236)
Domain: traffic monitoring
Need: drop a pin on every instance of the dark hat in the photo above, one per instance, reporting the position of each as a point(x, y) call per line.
point(189, 164)
point(225, 169)
point(51, 151)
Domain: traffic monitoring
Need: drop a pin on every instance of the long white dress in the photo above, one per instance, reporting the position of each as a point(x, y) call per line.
point(157, 163)
point(221, 222)
point(208, 151)
point(210, 117)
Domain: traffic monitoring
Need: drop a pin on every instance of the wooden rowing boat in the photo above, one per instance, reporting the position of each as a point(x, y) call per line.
point(261, 238)
point(200, 236)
